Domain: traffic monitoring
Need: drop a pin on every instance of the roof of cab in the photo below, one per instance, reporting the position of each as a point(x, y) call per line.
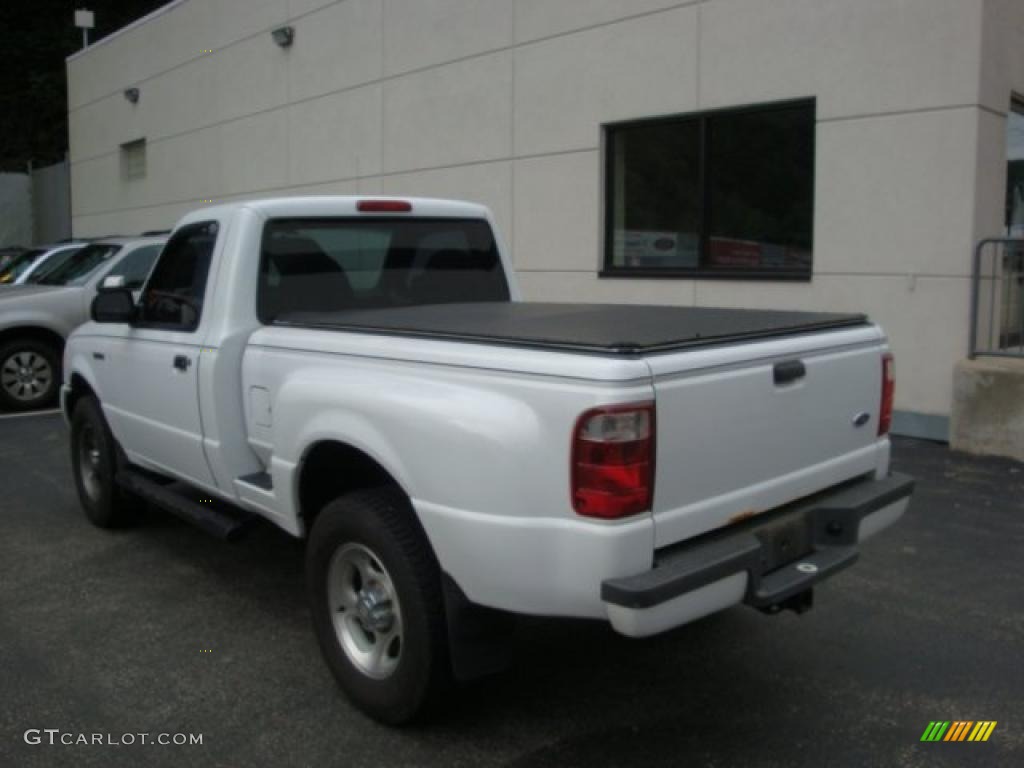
point(285, 207)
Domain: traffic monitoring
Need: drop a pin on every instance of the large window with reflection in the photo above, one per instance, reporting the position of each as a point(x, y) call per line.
point(728, 193)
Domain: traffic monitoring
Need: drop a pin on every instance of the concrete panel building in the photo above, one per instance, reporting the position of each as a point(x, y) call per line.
point(805, 154)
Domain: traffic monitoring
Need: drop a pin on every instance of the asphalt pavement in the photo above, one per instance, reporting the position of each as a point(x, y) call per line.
point(159, 629)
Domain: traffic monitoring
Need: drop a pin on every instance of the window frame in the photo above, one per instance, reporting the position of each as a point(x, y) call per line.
point(190, 328)
point(609, 270)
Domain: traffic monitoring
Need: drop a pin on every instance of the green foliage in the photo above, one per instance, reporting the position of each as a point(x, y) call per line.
point(39, 36)
point(1014, 191)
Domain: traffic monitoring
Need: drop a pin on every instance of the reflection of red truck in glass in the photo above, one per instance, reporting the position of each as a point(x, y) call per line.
point(751, 254)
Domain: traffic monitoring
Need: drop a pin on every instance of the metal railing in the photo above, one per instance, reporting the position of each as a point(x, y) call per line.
point(997, 299)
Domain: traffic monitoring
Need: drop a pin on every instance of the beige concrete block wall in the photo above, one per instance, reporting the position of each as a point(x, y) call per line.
point(503, 101)
point(988, 407)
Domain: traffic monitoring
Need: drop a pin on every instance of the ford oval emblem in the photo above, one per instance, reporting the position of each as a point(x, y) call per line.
point(861, 419)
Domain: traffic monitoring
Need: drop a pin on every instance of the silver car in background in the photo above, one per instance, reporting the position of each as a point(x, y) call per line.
point(36, 318)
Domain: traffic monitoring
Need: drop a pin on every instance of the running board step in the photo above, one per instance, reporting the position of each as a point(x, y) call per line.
point(214, 517)
point(261, 480)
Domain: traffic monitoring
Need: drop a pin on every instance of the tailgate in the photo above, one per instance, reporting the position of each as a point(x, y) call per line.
point(746, 428)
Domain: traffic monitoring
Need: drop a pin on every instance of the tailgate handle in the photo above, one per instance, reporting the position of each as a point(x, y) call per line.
point(789, 371)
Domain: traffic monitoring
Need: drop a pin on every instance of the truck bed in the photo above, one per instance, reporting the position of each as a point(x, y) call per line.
point(605, 329)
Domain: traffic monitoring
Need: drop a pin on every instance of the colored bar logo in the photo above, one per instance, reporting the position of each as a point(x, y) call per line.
point(958, 730)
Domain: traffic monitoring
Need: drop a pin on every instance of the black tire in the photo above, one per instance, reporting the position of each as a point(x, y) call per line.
point(30, 373)
point(94, 465)
point(382, 524)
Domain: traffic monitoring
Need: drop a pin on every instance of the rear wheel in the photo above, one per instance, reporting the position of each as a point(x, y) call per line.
point(29, 374)
point(94, 462)
point(378, 613)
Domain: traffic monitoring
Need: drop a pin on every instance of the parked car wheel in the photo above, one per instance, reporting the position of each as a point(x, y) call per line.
point(95, 466)
point(29, 374)
point(378, 612)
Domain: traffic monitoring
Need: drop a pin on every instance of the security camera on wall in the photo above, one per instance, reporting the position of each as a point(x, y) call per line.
point(284, 36)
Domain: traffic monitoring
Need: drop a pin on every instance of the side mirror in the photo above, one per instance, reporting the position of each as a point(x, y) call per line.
point(113, 305)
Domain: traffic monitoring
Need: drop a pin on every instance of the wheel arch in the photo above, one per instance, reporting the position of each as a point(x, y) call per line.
point(331, 468)
point(80, 387)
point(478, 638)
point(35, 333)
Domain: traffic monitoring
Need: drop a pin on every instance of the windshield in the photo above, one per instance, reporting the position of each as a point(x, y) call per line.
point(77, 269)
point(50, 263)
point(19, 264)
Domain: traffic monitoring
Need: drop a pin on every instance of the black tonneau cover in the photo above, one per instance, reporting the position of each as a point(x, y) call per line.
point(607, 329)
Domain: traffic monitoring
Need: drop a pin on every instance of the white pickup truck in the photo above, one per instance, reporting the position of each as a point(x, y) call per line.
point(362, 373)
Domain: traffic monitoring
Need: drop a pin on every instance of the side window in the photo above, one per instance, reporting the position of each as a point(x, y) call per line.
point(135, 267)
point(174, 295)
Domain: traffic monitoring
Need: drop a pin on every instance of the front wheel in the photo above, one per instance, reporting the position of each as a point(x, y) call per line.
point(29, 374)
point(375, 593)
point(94, 463)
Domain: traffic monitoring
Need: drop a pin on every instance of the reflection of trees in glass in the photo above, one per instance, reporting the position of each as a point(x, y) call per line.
point(1015, 197)
point(662, 177)
point(33, 80)
point(762, 176)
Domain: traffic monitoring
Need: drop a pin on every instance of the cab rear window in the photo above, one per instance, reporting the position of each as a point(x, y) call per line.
point(324, 265)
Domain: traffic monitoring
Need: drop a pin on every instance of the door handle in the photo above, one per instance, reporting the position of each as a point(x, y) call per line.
point(181, 362)
point(789, 371)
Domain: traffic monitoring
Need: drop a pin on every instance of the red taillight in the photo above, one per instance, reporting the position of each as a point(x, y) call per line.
point(888, 392)
point(613, 461)
point(384, 206)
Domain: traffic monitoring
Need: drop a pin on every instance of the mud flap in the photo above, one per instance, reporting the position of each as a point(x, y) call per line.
point(480, 639)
